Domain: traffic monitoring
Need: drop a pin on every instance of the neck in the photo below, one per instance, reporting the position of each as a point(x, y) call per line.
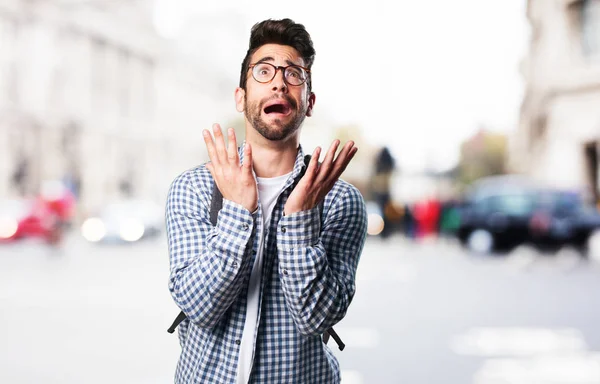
point(272, 158)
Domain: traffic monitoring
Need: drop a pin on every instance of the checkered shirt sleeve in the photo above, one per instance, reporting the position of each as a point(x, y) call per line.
point(207, 263)
point(319, 285)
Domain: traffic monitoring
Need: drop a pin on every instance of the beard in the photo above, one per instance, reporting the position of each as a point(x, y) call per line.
point(277, 130)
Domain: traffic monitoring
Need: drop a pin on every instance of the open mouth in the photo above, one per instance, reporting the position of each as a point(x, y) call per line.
point(282, 108)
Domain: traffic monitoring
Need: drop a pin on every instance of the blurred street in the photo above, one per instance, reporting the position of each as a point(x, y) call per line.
point(423, 313)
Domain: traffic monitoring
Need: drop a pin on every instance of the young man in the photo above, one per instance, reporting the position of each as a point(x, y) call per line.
point(278, 269)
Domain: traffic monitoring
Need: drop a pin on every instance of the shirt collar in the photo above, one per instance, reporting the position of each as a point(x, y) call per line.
point(298, 165)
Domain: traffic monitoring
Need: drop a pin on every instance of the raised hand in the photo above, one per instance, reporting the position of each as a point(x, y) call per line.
point(235, 181)
point(319, 179)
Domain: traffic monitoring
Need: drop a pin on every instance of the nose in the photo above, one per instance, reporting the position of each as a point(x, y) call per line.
point(278, 83)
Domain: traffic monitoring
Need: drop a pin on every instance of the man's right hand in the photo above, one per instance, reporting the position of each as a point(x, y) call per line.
point(235, 181)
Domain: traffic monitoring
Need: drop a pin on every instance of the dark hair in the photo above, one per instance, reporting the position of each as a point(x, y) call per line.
point(284, 32)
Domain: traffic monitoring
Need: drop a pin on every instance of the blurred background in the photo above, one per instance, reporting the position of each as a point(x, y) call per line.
point(478, 124)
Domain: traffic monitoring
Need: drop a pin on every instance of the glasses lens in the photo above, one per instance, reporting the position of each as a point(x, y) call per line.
point(263, 72)
point(295, 75)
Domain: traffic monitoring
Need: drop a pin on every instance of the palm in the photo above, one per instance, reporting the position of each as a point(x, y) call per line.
point(319, 178)
point(236, 182)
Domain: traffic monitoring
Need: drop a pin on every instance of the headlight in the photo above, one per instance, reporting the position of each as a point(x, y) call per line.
point(131, 230)
point(93, 229)
point(375, 224)
point(8, 227)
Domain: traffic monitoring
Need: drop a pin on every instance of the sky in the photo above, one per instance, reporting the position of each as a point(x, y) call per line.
point(418, 76)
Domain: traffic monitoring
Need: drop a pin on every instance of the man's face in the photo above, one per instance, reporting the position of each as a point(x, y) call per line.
point(275, 109)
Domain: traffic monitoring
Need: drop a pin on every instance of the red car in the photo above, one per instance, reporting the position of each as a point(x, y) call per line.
point(24, 218)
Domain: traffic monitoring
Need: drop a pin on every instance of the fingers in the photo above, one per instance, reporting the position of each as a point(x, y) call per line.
point(247, 163)
point(331, 169)
point(219, 142)
point(347, 160)
point(313, 165)
point(331, 152)
point(343, 157)
point(324, 169)
point(210, 147)
point(217, 152)
point(232, 152)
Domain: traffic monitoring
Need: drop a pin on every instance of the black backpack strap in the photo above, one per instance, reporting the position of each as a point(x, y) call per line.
point(177, 321)
point(332, 333)
point(306, 162)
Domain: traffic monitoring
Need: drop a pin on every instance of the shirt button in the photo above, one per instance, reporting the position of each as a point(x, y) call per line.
point(238, 342)
point(235, 264)
point(245, 227)
point(285, 272)
point(283, 229)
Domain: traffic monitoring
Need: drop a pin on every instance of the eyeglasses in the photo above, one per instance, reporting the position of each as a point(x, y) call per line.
point(292, 74)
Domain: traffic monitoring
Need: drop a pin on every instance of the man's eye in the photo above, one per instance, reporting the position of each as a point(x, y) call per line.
point(295, 73)
point(263, 70)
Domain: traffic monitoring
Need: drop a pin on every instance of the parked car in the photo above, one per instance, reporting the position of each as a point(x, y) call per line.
point(500, 213)
point(125, 221)
point(28, 218)
point(562, 217)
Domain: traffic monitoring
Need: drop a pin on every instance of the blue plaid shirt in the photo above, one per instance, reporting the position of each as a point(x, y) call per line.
point(308, 280)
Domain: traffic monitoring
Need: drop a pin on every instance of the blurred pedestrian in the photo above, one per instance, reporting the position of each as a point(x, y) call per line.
point(449, 218)
point(278, 270)
point(383, 169)
point(427, 215)
point(408, 221)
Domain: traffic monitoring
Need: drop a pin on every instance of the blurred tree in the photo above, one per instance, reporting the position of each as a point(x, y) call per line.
point(484, 154)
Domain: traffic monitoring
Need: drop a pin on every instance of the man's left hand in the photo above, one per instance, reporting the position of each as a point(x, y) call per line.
point(319, 178)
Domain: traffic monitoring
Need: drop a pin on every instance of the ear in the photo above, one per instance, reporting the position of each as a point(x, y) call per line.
point(311, 104)
point(240, 98)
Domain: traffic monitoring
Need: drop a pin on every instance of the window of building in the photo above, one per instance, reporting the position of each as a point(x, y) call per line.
point(590, 28)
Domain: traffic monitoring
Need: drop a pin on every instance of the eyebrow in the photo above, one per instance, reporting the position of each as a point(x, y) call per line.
point(269, 58)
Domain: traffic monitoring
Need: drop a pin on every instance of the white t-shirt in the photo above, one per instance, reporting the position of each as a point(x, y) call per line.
point(268, 192)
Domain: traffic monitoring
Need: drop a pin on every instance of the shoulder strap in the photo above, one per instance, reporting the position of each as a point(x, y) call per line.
point(177, 321)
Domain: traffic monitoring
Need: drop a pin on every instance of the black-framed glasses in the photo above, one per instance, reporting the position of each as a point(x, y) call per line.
point(292, 74)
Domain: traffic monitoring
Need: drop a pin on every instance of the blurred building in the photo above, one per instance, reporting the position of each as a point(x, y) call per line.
point(92, 95)
point(559, 134)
